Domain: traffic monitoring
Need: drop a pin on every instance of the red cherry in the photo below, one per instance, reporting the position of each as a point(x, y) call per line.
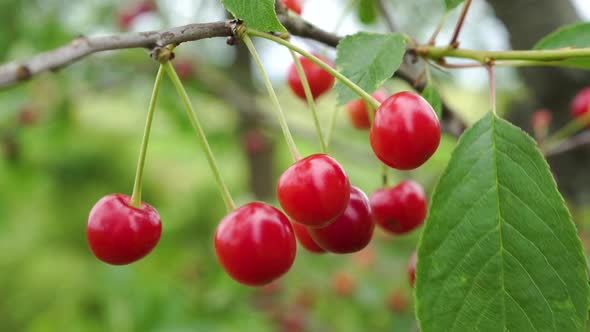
point(124, 19)
point(541, 118)
point(358, 113)
point(184, 68)
point(305, 240)
point(581, 103)
point(294, 5)
point(352, 231)
point(255, 244)
point(397, 301)
point(399, 209)
point(412, 269)
point(119, 233)
point(320, 81)
point(314, 191)
point(145, 6)
point(405, 131)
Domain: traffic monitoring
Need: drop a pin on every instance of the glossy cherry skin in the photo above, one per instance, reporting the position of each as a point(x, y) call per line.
point(294, 5)
point(358, 112)
point(255, 244)
point(305, 240)
point(581, 103)
point(405, 131)
point(320, 81)
point(120, 234)
point(314, 191)
point(412, 269)
point(399, 209)
point(352, 231)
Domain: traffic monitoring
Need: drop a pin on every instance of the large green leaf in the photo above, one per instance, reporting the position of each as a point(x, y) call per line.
point(258, 14)
point(571, 36)
point(368, 59)
point(499, 251)
point(450, 4)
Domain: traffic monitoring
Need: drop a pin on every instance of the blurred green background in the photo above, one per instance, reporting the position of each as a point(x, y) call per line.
point(68, 139)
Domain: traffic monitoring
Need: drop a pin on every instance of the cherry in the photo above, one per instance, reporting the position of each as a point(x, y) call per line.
point(255, 244)
point(126, 16)
point(397, 301)
point(184, 68)
point(352, 231)
point(405, 131)
point(119, 233)
point(305, 240)
point(541, 118)
point(358, 111)
point(344, 283)
point(412, 269)
point(314, 191)
point(581, 103)
point(294, 5)
point(399, 209)
point(320, 81)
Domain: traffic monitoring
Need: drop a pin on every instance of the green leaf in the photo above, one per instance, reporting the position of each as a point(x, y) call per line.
point(368, 59)
point(367, 11)
point(433, 98)
point(451, 4)
point(499, 251)
point(259, 14)
point(574, 36)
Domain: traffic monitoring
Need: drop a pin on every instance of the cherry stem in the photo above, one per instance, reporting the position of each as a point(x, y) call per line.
point(273, 96)
point(194, 120)
point(569, 129)
point(454, 40)
point(385, 174)
point(441, 23)
point(310, 101)
point(135, 200)
point(362, 93)
point(331, 125)
point(491, 75)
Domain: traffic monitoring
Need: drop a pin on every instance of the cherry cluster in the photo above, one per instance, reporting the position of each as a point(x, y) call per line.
point(256, 243)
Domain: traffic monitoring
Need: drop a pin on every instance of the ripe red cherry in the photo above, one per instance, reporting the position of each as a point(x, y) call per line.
point(314, 191)
point(581, 103)
point(412, 269)
point(320, 81)
point(119, 233)
point(405, 131)
point(399, 209)
point(294, 5)
point(352, 231)
point(305, 240)
point(255, 244)
point(358, 112)
point(541, 118)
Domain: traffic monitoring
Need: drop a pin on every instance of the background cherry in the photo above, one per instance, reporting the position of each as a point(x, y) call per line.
point(320, 81)
point(314, 191)
point(399, 209)
point(294, 5)
point(405, 131)
point(358, 111)
point(120, 234)
point(352, 231)
point(581, 103)
point(255, 244)
point(412, 268)
point(305, 240)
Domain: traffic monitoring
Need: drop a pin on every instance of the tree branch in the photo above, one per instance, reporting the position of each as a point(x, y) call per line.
point(571, 143)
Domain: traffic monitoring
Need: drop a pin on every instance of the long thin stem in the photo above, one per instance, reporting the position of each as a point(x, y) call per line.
point(569, 129)
point(484, 56)
point(273, 96)
point(454, 40)
point(194, 120)
point(310, 101)
point(331, 125)
point(362, 93)
point(136, 195)
point(441, 23)
point(492, 78)
point(385, 174)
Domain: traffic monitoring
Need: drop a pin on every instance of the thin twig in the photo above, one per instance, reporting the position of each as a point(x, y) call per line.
point(569, 144)
point(387, 16)
point(454, 40)
point(492, 77)
point(441, 23)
